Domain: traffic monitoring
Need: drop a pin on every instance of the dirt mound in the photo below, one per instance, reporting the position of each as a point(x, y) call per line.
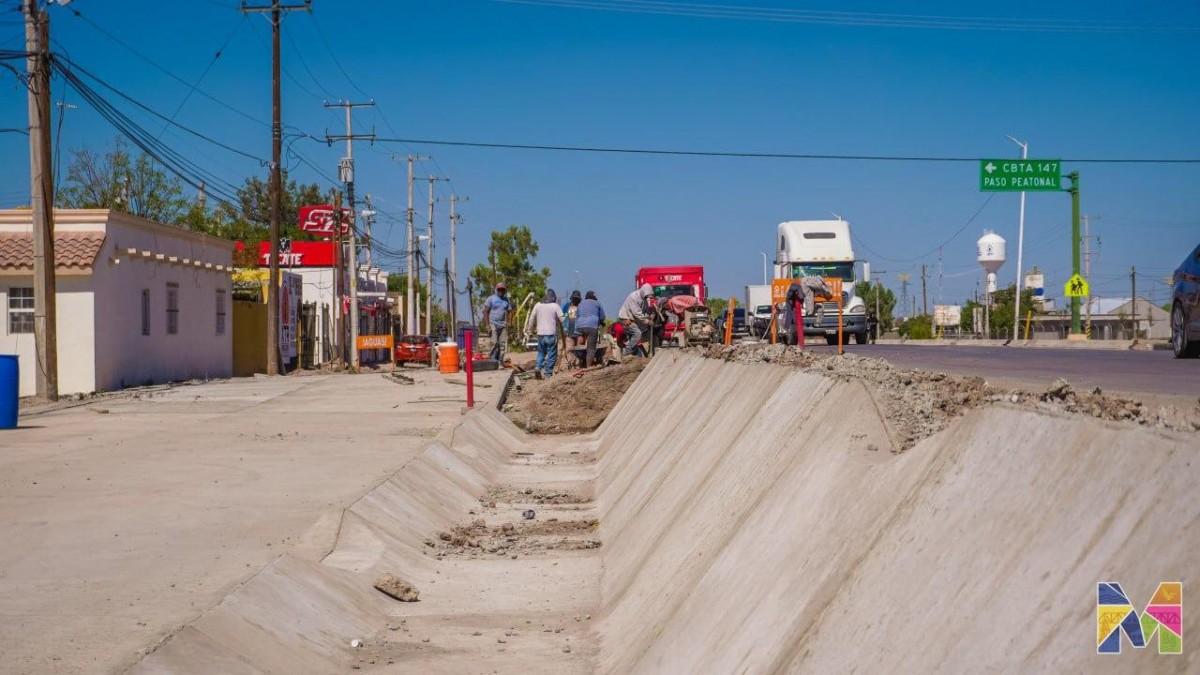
point(566, 404)
point(917, 404)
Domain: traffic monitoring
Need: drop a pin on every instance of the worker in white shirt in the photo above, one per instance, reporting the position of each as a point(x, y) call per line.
point(546, 318)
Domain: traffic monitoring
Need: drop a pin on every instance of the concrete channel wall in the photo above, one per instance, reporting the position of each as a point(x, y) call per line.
point(749, 528)
point(754, 519)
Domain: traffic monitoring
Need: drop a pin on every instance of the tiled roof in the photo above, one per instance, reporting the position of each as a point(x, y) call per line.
point(72, 250)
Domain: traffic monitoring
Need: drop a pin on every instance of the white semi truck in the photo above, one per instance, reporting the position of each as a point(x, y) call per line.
point(822, 248)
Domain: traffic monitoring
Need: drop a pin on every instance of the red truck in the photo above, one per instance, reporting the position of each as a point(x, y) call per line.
point(671, 280)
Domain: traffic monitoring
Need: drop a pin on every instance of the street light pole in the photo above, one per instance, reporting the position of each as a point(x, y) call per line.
point(1020, 248)
point(764, 255)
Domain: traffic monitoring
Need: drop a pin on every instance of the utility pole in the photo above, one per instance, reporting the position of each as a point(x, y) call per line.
point(924, 295)
point(429, 261)
point(41, 193)
point(877, 289)
point(1133, 293)
point(276, 9)
point(1020, 248)
point(346, 175)
point(368, 216)
point(455, 219)
point(1087, 268)
point(1074, 190)
point(410, 314)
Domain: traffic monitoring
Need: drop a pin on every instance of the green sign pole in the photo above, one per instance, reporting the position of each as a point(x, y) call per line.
point(1074, 190)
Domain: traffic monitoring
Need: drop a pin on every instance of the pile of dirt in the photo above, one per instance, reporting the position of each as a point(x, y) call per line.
point(566, 404)
point(478, 539)
point(917, 404)
point(511, 495)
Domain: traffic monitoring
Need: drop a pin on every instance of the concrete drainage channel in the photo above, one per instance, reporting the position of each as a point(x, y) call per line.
point(731, 518)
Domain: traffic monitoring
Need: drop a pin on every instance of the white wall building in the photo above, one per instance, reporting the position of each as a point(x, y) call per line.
point(138, 302)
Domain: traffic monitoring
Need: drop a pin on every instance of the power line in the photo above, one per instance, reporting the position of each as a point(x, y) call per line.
point(155, 64)
point(935, 249)
point(758, 155)
point(203, 74)
point(861, 19)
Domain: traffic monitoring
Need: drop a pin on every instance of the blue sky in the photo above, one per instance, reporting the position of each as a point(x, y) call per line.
point(479, 70)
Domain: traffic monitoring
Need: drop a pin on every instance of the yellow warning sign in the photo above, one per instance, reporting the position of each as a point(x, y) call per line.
point(1076, 287)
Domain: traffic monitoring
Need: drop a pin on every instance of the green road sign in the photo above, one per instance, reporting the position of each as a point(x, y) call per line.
point(1020, 175)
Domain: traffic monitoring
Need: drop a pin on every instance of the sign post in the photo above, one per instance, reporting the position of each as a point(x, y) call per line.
point(469, 364)
point(1020, 175)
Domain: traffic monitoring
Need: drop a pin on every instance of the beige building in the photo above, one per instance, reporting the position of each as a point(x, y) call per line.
point(138, 302)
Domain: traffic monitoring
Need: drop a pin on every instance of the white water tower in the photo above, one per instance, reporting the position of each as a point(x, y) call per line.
point(991, 256)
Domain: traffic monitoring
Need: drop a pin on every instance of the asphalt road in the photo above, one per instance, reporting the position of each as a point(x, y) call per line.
point(1148, 372)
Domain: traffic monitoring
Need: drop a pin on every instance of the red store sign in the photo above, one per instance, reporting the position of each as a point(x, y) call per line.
point(299, 254)
point(320, 219)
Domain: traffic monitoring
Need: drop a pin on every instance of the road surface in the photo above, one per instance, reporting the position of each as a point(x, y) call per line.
point(1127, 371)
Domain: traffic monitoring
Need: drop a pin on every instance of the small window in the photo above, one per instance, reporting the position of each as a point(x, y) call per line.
point(172, 309)
point(220, 312)
point(820, 235)
point(145, 311)
point(20, 310)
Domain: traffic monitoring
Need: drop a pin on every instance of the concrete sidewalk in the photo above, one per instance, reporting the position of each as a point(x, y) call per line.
point(127, 518)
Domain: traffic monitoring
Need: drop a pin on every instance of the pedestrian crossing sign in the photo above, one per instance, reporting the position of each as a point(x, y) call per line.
point(1076, 287)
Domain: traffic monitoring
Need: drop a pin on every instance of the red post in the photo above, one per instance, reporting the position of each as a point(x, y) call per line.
point(798, 314)
point(469, 364)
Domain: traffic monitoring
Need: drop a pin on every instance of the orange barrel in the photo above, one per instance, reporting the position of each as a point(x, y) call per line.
point(448, 357)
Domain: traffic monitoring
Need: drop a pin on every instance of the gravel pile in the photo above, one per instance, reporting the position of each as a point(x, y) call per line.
point(917, 404)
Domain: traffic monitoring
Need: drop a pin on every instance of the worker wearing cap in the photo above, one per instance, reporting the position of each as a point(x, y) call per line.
point(495, 316)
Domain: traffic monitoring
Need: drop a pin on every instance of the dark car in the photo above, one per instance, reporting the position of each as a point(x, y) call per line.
point(740, 328)
point(1185, 308)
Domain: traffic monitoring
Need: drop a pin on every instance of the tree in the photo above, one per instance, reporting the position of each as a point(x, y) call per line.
point(119, 181)
point(918, 327)
point(1001, 313)
point(717, 306)
point(254, 204)
point(511, 254)
point(887, 302)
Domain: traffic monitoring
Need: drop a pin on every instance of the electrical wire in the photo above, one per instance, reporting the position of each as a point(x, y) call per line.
point(203, 74)
point(760, 155)
point(862, 19)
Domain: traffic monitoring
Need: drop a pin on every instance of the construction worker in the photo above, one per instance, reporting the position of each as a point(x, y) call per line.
point(590, 317)
point(635, 315)
point(545, 318)
point(496, 311)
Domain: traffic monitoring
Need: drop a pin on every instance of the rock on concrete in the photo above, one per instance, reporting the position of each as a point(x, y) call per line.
point(391, 585)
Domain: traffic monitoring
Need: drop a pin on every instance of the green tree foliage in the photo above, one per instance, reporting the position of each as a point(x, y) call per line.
point(1001, 313)
point(511, 254)
point(918, 327)
point(120, 181)
point(887, 302)
point(716, 306)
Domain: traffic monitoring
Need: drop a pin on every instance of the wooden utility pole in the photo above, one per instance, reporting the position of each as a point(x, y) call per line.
point(41, 191)
point(276, 9)
point(346, 175)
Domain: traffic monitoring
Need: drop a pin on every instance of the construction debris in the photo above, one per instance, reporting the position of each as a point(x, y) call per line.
point(393, 586)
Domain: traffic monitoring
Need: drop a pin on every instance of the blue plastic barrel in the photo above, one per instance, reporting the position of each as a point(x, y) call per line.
point(10, 389)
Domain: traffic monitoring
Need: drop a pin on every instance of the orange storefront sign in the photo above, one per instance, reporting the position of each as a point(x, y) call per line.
point(374, 342)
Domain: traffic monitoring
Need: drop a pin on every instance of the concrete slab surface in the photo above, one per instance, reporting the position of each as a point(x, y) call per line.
point(125, 519)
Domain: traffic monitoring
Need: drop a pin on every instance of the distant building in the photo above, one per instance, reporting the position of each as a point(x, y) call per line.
point(1112, 319)
point(138, 302)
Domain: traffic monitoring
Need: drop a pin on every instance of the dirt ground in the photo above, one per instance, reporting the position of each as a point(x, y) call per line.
point(565, 404)
point(917, 404)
